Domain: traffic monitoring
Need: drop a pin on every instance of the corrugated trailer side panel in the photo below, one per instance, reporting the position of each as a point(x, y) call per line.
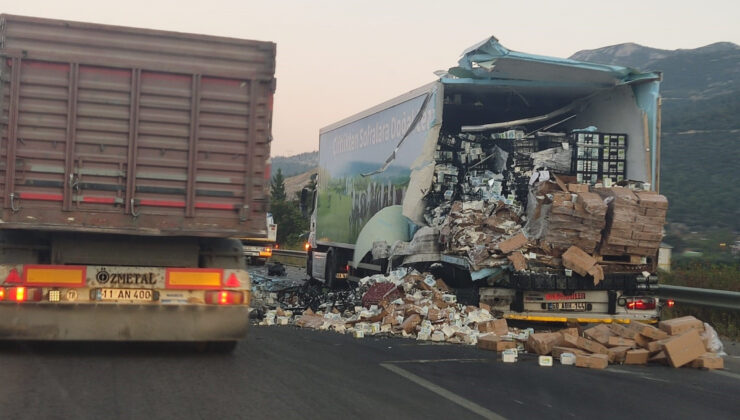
point(110, 129)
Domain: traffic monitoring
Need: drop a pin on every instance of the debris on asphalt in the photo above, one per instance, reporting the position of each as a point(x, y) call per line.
point(407, 303)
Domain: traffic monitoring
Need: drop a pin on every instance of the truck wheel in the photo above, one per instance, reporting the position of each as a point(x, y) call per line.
point(309, 265)
point(331, 270)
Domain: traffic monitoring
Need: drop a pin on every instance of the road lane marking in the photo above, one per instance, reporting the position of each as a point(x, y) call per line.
point(451, 396)
point(728, 374)
point(438, 360)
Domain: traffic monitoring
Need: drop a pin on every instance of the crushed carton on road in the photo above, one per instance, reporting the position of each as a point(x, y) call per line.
point(414, 305)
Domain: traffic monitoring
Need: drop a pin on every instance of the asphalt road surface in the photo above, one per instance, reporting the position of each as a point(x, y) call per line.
point(290, 373)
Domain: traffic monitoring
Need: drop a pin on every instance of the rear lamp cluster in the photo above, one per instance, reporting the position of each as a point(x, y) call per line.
point(20, 294)
point(224, 297)
point(638, 303)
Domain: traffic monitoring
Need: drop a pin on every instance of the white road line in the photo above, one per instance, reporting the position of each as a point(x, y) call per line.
point(462, 402)
point(437, 360)
point(728, 374)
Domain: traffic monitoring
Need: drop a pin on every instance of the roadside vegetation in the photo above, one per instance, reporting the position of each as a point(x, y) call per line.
point(708, 275)
point(286, 211)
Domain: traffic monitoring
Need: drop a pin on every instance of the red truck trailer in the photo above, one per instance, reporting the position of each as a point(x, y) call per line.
point(129, 159)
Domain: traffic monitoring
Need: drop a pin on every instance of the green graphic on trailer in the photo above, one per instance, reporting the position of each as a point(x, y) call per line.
point(347, 199)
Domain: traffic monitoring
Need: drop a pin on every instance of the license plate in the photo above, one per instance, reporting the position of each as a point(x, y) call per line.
point(135, 295)
point(567, 306)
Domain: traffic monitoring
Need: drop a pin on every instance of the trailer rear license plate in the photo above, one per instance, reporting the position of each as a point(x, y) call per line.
point(135, 295)
point(567, 306)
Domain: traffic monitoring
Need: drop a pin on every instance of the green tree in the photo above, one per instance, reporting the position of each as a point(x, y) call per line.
point(290, 221)
point(277, 186)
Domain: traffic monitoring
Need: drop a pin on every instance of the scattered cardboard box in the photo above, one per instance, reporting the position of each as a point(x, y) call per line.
point(709, 361)
point(558, 351)
point(636, 357)
point(495, 343)
point(648, 331)
point(680, 325)
point(600, 333)
point(622, 331)
point(496, 326)
point(542, 343)
point(617, 354)
point(593, 361)
point(683, 349)
point(620, 341)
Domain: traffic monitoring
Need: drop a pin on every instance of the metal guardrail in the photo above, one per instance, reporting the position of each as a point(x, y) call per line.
point(289, 253)
point(289, 257)
point(723, 299)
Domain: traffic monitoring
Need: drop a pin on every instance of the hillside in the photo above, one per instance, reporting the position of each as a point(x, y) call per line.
point(700, 126)
point(297, 164)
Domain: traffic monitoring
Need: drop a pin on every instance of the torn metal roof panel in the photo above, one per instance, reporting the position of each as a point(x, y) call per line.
point(491, 61)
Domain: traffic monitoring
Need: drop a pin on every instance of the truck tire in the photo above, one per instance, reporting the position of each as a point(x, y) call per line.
point(331, 269)
point(309, 266)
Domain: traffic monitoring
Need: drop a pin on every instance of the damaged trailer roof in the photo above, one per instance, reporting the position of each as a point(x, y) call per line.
point(492, 62)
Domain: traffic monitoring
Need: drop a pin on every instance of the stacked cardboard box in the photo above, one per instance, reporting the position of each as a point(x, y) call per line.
point(620, 219)
point(648, 227)
point(575, 218)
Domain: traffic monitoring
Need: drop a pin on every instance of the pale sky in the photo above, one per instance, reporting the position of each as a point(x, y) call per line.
point(338, 57)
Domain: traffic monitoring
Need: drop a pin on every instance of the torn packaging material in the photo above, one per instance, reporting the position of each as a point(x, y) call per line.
point(518, 261)
point(513, 243)
point(496, 326)
point(410, 323)
point(683, 349)
point(580, 262)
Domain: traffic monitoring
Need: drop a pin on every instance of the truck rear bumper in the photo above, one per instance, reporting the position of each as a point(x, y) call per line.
point(112, 322)
point(581, 317)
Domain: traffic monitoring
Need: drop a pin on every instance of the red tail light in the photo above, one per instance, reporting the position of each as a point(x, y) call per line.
point(22, 294)
point(224, 297)
point(641, 303)
point(670, 303)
